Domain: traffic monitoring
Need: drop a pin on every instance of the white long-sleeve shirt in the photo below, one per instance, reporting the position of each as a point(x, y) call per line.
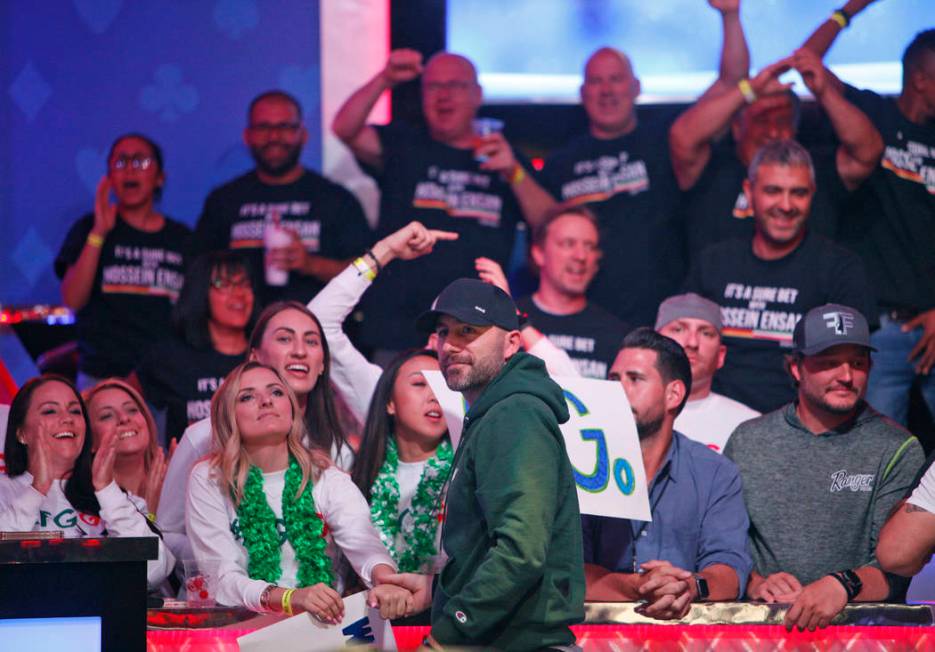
point(211, 520)
point(194, 445)
point(23, 509)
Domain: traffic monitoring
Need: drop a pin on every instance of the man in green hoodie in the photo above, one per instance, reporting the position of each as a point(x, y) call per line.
point(514, 578)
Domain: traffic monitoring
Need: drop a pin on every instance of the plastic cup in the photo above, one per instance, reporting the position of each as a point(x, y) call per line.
point(274, 237)
point(484, 127)
point(200, 582)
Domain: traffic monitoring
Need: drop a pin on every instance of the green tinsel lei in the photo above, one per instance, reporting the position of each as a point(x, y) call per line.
point(305, 530)
point(416, 546)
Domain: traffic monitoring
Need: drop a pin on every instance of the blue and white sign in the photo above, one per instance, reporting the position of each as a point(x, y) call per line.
point(600, 438)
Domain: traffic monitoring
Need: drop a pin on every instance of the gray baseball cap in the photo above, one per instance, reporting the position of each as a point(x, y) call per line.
point(830, 325)
point(689, 305)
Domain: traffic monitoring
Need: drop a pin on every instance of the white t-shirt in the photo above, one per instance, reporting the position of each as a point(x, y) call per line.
point(711, 420)
point(23, 509)
point(924, 495)
point(211, 520)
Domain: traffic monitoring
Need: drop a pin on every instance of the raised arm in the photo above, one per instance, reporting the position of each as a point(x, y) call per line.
point(735, 55)
point(693, 133)
point(352, 373)
point(78, 281)
point(350, 122)
point(821, 39)
point(861, 144)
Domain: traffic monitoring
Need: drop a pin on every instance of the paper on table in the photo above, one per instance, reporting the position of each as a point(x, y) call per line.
point(304, 633)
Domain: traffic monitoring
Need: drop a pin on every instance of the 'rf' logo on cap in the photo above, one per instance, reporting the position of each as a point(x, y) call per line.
point(839, 322)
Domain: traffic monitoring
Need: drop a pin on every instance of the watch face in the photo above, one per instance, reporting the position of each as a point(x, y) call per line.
point(701, 587)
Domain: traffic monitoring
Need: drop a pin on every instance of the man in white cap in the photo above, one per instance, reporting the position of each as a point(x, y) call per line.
point(820, 476)
point(695, 323)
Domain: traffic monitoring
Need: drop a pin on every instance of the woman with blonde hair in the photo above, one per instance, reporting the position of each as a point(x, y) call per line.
point(274, 514)
point(116, 409)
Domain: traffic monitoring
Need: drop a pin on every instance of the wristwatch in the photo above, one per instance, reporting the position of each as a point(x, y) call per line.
point(701, 588)
point(850, 581)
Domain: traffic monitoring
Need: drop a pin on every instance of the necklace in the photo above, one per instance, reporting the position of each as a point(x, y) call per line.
point(305, 530)
point(416, 546)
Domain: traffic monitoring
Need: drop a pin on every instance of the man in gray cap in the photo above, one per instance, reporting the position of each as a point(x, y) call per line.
point(821, 474)
point(514, 578)
point(695, 323)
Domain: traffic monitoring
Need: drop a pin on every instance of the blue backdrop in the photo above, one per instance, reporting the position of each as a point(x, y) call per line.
point(77, 73)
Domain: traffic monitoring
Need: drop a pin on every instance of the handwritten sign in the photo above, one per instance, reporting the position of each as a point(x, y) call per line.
point(304, 633)
point(600, 438)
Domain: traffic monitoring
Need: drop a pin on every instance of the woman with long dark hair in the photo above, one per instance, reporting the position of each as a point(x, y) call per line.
point(404, 460)
point(55, 482)
point(122, 265)
point(212, 319)
point(273, 513)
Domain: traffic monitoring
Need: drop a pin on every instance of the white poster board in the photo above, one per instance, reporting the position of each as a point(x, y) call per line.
point(305, 633)
point(600, 437)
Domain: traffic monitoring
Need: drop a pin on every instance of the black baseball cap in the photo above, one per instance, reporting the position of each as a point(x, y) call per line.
point(830, 325)
point(474, 302)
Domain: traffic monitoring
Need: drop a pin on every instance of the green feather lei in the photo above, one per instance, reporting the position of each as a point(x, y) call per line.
point(305, 530)
point(416, 546)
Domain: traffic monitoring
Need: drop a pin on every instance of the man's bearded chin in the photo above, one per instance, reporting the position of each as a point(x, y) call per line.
point(646, 429)
point(281, 169)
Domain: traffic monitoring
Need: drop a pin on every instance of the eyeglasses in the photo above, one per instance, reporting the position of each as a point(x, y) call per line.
point(135, 162)
point(266, 128)
point(452, 86)
point(225, 284)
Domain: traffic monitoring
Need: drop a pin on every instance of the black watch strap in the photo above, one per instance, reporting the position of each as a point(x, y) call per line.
point(850, 581)
point(701, 588)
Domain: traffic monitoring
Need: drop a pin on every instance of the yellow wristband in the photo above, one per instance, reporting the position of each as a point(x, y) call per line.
point(746, 89)
point(95, 240)
point(840, 18)
point(287, 601)
point(517, 175)
point(364, 269)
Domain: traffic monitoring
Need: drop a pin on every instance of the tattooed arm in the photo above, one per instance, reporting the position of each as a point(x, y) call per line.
point(907, 540)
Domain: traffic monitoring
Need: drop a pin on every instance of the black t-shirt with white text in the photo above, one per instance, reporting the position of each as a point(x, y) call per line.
point(716, 208)
point(591, 338)
point(326, 216)
point(892, 225)
point(761, 302)
point(444, 188)
point(139, 276)
point(181, 380)
point(628, 182)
